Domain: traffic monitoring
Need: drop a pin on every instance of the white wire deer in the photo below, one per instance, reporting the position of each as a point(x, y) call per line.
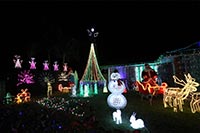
point(136, 123)
point(174, 96)
point(117, 116)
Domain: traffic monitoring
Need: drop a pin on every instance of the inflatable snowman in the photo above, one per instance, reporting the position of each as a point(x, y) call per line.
point(116, 86)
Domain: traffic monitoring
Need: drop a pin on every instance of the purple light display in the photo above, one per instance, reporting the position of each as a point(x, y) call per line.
point(25, 77)
point(32, 63)
point(46, 65)
point(18, 62)
point(55, 66)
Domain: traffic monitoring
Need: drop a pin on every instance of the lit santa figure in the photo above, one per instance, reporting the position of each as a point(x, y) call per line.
point(116, 99)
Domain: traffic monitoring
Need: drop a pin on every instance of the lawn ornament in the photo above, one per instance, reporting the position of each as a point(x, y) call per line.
point(117, 116)
point(195, 102)
point(136, 123)
point(174, 96)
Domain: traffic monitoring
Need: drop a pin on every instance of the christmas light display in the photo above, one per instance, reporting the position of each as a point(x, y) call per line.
point(25, 77)
point(75, 107)
point(55, 66)
point(136, 123)
point(24, 96)
point(45, 77)
point(8, 98)
point(65, 67)
point(46, 65)
point(18, 62)
point(116, 99)
point(195, 102)
point(174, 96)
point(32, 63)
point(49, 89)
point(116, 87)
point(62, 76)
point(92, 77)
point(117, 116)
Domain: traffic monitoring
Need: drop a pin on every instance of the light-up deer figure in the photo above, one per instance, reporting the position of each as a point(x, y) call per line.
point(18, 62)
point(195, 102)
point(32, 63)
point(46, 65)
point(175, 96)
point(117, 116)
point(136, 123)
point(55, 66)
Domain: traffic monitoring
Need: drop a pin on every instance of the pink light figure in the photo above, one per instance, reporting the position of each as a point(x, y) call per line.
point(32, 63)
point(55, 66)
point(65, 67)
point(25, 77)
point(17, 61)
point(46, 65)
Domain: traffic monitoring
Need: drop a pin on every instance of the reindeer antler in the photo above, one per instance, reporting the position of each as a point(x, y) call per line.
point(178, 81)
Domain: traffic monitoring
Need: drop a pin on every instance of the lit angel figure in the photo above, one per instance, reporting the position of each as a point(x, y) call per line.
point(65, 67)
point(46, 65)
point(136, 123)
point(25, 77)
point(32, 63)
point(18, 62)
point(55, 66)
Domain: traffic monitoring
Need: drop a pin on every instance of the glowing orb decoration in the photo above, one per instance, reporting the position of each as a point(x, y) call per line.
point(18, 62)
point(25, 77)
point(32, 63)
point(116, 101)
point(116, 87)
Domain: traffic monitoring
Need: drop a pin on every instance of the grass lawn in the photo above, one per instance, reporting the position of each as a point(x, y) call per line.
point(157, 119)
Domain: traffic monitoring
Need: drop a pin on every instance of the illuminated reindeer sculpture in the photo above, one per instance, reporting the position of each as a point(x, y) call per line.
point(174, 96)
point(195, 102)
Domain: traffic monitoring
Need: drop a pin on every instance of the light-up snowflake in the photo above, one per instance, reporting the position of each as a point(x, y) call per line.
point(25, 77)
point(46, 77)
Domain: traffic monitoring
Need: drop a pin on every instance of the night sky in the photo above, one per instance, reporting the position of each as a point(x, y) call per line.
point(129, 32)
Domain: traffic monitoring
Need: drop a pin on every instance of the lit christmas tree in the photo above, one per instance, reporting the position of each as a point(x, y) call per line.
point(92, 77)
